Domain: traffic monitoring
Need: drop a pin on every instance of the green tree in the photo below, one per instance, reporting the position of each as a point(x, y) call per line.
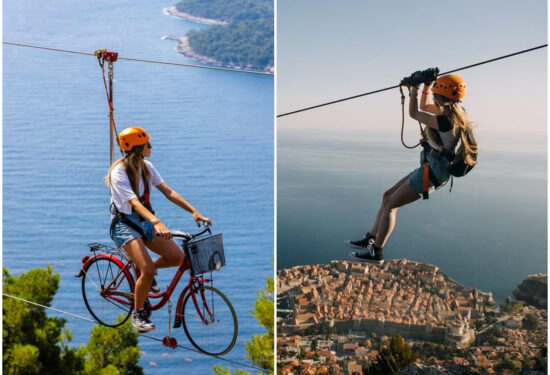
point(541, 360)
point(111, 352)
point(395, 357)
point(530, 322)
point(512, 308)
point(507, 364)
point(34, 343)
point(260, 348)
point(247, 41)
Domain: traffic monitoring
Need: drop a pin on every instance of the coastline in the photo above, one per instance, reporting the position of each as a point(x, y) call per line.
point(173, 11)
point(185, 49)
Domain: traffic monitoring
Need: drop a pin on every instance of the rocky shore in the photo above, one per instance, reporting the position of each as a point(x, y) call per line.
point(173, 11)
point(185, 49)
point(533, 290)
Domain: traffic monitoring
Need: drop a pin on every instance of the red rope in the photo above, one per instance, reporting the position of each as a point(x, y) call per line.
point(108, 94)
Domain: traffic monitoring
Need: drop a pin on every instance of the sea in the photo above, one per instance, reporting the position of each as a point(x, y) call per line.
point(489, 232)
point(212, 134)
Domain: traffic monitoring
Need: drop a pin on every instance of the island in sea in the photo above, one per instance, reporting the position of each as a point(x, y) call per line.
point(347, 317)
point(240, 36)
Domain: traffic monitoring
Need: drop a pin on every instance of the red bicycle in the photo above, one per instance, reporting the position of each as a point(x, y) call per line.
point(206, 314)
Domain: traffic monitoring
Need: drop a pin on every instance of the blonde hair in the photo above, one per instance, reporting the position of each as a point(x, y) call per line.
point(462, 129)
point(132, 162)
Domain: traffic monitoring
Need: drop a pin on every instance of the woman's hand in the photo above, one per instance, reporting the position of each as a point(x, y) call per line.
point(162, 231)
point(198, 218)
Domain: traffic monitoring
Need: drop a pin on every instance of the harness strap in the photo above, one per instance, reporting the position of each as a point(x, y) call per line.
point(427, 173)
point(426, 181)
point(144, 199)
point(119, 216)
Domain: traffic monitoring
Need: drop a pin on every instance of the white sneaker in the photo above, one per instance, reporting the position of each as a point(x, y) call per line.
point(141, 322)
point(154, 287)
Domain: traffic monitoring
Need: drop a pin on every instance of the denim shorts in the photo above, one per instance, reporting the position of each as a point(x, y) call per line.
point(439, 166)
point(123, 234)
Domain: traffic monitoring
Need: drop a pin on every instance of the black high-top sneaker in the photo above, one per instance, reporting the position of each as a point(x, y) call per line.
point(141, 322)
point(371, 254)
point(363, 243)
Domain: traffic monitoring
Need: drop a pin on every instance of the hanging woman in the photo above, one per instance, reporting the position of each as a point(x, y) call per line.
point(134, 226)
point(446, 125)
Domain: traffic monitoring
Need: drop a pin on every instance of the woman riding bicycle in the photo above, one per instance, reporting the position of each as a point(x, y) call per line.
point(134, 225)
point(446, 124)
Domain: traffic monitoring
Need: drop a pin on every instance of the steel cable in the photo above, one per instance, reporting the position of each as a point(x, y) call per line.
point(396, 86)
point(140, 60)
point(133, 332)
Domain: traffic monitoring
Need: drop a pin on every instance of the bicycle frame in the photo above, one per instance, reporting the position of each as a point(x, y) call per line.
point(165, 295)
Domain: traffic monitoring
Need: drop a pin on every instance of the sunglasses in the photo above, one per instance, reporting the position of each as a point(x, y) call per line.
point(149, 145)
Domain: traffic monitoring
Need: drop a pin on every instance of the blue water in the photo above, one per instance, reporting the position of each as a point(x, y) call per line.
point(212, 136)
point(488, 233)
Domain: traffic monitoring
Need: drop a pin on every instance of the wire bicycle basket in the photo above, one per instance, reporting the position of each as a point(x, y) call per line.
point(205, 254)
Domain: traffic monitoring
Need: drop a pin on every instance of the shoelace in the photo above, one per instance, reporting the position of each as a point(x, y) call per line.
point(365, 253)
point(142, 315)
point(364, 240)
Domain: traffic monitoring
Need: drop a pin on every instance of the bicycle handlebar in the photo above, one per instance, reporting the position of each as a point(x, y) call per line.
point(190, 236)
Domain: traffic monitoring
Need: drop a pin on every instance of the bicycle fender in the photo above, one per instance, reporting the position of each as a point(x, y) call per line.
point(88, 261)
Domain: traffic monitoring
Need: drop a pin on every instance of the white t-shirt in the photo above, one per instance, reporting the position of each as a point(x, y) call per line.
point(121, 190)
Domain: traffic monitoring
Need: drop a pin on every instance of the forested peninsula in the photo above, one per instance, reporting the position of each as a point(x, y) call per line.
point(241, 35)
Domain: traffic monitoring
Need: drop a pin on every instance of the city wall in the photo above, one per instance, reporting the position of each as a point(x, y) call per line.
point(408, 331)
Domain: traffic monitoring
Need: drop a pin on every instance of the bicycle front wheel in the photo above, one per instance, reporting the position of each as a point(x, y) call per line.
point(107, 292)
point(209, 320)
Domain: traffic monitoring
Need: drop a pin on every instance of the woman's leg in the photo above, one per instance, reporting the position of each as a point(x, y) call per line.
point(401, 196)
point(387, 194)
point(138, 252)
point(170, 253)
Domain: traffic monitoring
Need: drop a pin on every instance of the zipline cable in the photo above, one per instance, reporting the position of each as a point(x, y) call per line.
point(133, 332)
point(140, 60)
point(396, 86)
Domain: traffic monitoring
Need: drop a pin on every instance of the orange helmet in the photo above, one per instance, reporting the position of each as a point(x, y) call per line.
point(450, 86)
point(132, 136)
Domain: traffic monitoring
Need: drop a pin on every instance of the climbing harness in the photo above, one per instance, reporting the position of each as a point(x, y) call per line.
point(109, 56)
point(427, 172)
point(119, 216)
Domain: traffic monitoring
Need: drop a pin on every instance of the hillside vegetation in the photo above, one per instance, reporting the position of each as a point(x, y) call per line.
point(246, 42)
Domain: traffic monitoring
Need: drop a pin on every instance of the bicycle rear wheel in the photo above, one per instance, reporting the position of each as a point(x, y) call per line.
point(211, 325)
point(107, 292)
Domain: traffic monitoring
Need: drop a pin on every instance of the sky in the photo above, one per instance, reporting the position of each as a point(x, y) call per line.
point(328, 50)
